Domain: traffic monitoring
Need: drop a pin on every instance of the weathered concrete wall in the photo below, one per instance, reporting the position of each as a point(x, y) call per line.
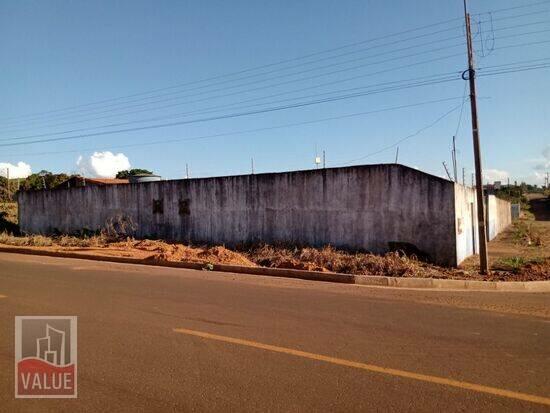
point(363, 207)
point(466, 226)
point(499, 215)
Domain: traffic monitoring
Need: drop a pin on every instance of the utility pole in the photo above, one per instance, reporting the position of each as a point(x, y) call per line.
point(454, 160)
point(186, 171)
point(252, 165)
point(483, 257)
point(324, 159)
point(8, 176)
point(463, 176)
point(447, 170)
point(396, 154)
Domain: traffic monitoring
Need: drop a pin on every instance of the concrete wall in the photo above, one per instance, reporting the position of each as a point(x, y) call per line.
point(363, 207)
point(498, 215)
point(466, 226)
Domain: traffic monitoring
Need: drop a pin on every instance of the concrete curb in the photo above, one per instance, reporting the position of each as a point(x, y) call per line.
point(367, 280)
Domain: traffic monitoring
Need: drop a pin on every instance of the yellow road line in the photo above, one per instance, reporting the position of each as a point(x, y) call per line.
point(373, 368)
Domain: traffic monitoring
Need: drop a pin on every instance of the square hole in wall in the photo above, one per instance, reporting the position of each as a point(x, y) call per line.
point(158, 206)
point(184, 206)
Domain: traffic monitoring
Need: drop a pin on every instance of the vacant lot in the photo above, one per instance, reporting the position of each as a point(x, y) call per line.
point(525, 246)
point(520, 253)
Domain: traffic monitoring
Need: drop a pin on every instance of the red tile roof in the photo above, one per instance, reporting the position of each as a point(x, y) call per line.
point(107, 181)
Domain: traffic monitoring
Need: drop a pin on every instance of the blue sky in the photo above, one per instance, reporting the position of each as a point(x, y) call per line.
point(60, 54)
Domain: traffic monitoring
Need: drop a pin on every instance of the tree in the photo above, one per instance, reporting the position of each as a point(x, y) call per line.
point(132, 172)
point(41, 179)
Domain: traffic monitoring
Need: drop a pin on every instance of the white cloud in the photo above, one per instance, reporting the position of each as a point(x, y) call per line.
point(21, 170)
point(102, 164)
point(492, 175)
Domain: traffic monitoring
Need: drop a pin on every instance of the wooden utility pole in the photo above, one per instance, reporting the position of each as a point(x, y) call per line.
point(252, 165)
point(397, 154)
point(483, 257)
point(324, 160)
point(8, 176)
point(463, 176)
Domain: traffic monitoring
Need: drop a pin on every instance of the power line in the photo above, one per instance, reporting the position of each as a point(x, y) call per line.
point(524, 69)
point(226, 116)
point(255, 99)
point(286, 126)
point(513, 8)
point(65, 116)
point(202, 137)
point(263, 87)
point(401, 140)
point(461, 110)
point(261, 66)
point(250, 69)
point(368, 74)
point(233, 104)
point(278, 77)
point(398, 85)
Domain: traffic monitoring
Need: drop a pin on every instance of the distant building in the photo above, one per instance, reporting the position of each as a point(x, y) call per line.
point(141, 178)
point(81, 181)
point(489, 189)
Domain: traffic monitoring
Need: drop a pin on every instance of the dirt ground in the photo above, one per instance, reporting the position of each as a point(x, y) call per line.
point(523, 248)
point(520, 253)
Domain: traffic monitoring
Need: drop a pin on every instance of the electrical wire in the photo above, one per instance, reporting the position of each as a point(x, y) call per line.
point(264, 66)
point(398, 85)
point(244, 114)
point(199, 120)
point(274, 78)
point(401, 140)
point(251, 68)
point(210, 111)
point(246, 131)
point(277, 77)
point(461, 108)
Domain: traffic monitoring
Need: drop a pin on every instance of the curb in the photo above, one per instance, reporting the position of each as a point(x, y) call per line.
point(366, 280)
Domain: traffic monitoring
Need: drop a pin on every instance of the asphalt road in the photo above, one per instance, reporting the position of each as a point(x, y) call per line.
point(162, 339)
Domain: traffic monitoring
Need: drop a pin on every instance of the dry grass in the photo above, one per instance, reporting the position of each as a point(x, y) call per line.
point(82, 242)
point(44, 241)
point(526, 233)
point(328, 258)
point(29, 241)
point(10, 211)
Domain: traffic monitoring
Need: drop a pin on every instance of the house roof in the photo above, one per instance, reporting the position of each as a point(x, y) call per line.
point(106, 181)
point(77, 181)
